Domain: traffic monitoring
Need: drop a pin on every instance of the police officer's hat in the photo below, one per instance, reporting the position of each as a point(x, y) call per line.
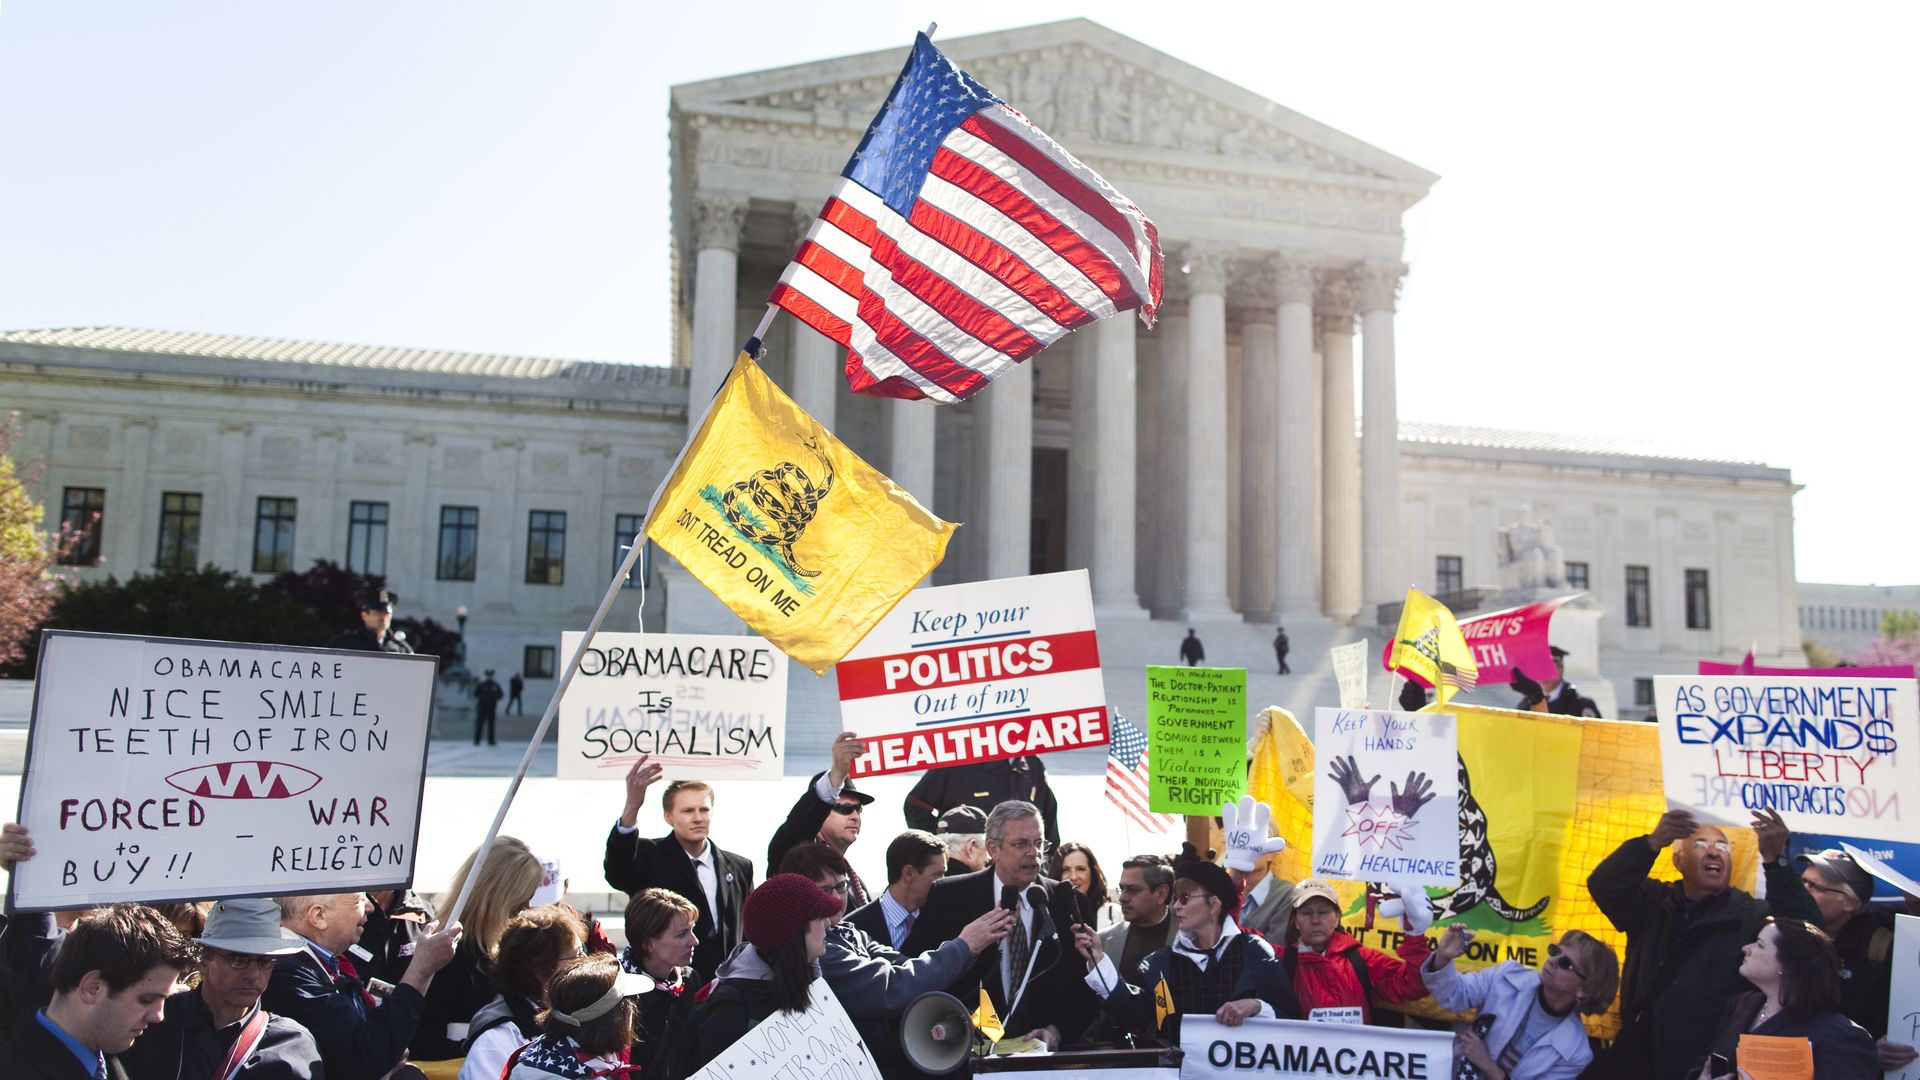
point(376, 600)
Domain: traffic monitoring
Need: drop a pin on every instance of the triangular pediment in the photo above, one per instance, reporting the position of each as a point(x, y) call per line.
point(1086, 85)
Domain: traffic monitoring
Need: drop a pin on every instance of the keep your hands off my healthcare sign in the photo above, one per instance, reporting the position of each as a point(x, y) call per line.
point(162, 769)
point(1829, 755)
point(1386, 796)
point(977, 672)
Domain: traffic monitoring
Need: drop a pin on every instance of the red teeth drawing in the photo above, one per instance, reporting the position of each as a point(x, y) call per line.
point(245, 780)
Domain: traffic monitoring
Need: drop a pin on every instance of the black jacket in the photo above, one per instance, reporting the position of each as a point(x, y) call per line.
point(186, 1046)
point(1865, 946)
point(1055, 992)
point(462, 988)
point(354, 1040)
point(802, 827)
point(362, 638)
point(34, 1053)
point(1683, 960)
point(983, 785)
point(27, 946)
point(1842, 1049)
point(872, 919)
point(389, 940)
point(634, 862)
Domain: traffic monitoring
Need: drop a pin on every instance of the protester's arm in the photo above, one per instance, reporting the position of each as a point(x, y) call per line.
point(873, 987)
point(802, 824)
point(1787, 894)
point(1398, 978)
point(1458, 991)
point(302, 993)
point(1130, 1006)
point(1620, 887)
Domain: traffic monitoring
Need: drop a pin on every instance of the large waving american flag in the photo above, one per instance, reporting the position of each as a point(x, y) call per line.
point(960, 240)
point(1127, 776)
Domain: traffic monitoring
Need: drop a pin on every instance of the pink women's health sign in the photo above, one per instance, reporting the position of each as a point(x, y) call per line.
point(1504, 640)
point(1829, 755)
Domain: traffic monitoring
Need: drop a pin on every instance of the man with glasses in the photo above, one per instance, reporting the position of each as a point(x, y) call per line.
point(829, 813)
point(1033, 977)
point(218, 1031)
point(1863, 939)
point(1684, 938)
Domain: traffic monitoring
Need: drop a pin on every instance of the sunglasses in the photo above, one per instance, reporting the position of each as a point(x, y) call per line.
point(846, 808)
point(1558, 958)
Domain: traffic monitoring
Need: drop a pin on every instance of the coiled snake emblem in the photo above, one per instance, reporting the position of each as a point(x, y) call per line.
point(784, 500)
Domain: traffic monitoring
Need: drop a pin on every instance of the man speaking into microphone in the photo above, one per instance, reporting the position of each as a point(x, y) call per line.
point(1032, 977)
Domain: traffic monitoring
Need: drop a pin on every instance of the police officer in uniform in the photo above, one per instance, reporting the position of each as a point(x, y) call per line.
point(375, 632)
point(982, 784)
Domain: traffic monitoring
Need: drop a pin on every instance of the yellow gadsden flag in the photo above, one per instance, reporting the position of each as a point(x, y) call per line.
point(1162, 1003)
point(986, 1020)
point(789, 528)
point(1429, 645)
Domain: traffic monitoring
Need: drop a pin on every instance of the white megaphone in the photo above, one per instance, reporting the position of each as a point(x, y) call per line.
point(936, 1031)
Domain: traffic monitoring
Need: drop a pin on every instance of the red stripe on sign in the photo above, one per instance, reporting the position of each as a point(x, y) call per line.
point(966, 663)
point(975, 178)
point(992, 740)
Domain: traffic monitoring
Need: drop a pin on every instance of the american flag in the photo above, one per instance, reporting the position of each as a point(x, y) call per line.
point(1127, 776)
point(960, 240)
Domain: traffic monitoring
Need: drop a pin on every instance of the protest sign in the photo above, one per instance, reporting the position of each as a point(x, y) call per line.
point(820, 1042)
point(977, 672)
point(1197, 736)
point(1299, 1048)
point(1903, 1003)
point(702, 706)
point(162, 769)
point(1514, 638)
point(1404, 830)
point(1824, 753)
point(1862, 671)
point(1350, 673)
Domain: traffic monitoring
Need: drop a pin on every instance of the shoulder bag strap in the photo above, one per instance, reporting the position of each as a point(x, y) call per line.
point(243, 1046)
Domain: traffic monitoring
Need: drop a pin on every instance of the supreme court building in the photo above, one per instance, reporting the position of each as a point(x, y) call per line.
point(1209, 470)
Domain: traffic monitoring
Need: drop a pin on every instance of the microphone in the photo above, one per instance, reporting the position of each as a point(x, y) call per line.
point(1037, 896)
point(1010, 898)
point(1082, 908)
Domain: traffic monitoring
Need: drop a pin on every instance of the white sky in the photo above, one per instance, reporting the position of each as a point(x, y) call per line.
point(1692, 223)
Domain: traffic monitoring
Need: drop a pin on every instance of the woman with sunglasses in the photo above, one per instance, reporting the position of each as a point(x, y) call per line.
point(1530, 1019)
point(1797, 973)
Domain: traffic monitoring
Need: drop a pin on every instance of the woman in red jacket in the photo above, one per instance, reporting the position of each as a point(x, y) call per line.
point(1334, 978)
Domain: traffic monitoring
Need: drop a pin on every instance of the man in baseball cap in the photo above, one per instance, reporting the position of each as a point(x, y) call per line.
point(963, 830)
point(219, 1026)
point(1863, 938)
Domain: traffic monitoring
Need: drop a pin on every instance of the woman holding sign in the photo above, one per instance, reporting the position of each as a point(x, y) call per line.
point(1796, 1009)
point(1529, 1025)
point(786, 929)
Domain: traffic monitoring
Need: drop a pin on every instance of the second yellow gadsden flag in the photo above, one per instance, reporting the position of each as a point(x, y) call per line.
point(807, 543)
point(1429, 645)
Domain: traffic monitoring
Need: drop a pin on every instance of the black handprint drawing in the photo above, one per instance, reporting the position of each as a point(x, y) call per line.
point(1418, 793)
point(1345, 772)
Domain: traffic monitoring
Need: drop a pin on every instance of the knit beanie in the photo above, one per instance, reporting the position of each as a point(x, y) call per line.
point(782, 907)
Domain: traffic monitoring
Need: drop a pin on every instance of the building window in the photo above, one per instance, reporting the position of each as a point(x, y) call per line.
point(626, 532)
point(537, 662)
point(179, 531)
point(546, 547)
point(1699, 617)
point(1577, 576)
point(1639, 597)
point(273, 535)
point(1643, 692)
point(459, 542)
point(1448, 574)
point(81, 512)
point(367, 538)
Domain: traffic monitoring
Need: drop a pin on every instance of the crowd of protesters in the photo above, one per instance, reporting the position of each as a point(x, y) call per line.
point(983, 905)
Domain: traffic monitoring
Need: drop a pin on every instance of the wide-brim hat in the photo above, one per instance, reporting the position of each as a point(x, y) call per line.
point(249, 926)
point(849, 793)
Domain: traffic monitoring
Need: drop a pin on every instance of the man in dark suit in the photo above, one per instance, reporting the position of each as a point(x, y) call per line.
point(684, 861)
point(1034, 978)
point(915, 860)
point(110, 980)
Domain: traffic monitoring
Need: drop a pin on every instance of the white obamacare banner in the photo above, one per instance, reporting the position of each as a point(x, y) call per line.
point(164, 769)
point(1286, 1049)
point(1386, 796)
point(976, 672)
point(704, 707)
point(1831, 756)
point(819, 1042)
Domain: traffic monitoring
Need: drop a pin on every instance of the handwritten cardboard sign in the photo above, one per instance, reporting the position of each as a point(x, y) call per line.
point(1903, 1003)
point(819, 1042)
point(1197, 736)
point(1302, 1049)
point(702, 706)
point(1350, 673)
point(162, 769)
point(977, 672)
point(1386, 796)
point(1830, 755)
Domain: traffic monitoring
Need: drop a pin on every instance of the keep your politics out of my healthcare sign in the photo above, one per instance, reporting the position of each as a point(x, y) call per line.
point(1834, 756)
point(163, 769)
point(702, 706)
point(977, 672)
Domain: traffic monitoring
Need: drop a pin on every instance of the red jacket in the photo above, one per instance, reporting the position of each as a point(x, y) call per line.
point(1328, 980)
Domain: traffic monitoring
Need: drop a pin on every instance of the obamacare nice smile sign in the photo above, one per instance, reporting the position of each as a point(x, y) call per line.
point(977, 672)
point(1831, 756)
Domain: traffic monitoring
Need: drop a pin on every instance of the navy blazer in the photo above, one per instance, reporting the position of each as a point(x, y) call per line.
point(872, 919)
point(34, 1053)
point(354, 1040)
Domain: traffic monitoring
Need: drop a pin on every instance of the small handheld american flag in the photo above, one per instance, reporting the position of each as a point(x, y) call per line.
point(960, 240)
point(1127, 776)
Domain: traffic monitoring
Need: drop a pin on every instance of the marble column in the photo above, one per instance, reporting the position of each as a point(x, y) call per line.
point(229, 511)
point(816, 357)
point(135, 528)
point(1384, 575)
point(1170, 468)
point(315, 537)
point(1083, 450)
point(717, 222)
point(1340, 454)
point(413, 538)
point(1205, 595)
point(1009, 442)
point(1259, 446)
point(1294, 415)
point(1111, 558)
point(500, 574)
point(910, 442)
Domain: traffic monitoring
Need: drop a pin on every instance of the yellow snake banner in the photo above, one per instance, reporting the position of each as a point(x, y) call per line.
point(1543, 799)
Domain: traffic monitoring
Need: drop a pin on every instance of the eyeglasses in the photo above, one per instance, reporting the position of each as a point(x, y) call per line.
point(1558, 957)
point(1021, 847)
point(1816, 887)
point(841, 887)
point(846, 808)
point(1702, 844)
point(241, 962)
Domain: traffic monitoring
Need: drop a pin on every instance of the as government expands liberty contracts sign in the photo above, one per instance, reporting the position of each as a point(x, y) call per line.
point(702, 706)
point(977, 672)
point(162, 769)
point(1830, 755)
point(1197, 736)
point(1386, 796)
point(1302, 1049)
